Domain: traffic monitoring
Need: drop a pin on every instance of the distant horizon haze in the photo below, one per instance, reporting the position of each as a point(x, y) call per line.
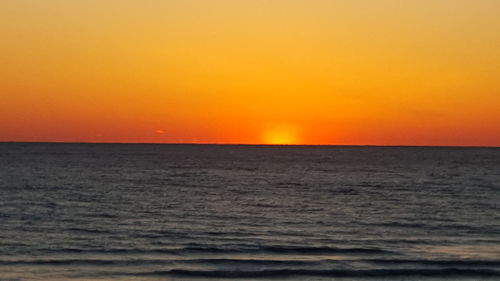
point(251, 144)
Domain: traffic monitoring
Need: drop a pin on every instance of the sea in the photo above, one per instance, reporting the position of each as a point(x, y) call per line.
point(227, 212)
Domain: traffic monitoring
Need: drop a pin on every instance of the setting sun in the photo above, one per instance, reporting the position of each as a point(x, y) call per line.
point(281, 134)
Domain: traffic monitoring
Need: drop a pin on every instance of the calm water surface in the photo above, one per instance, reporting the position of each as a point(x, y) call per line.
point(187, 212)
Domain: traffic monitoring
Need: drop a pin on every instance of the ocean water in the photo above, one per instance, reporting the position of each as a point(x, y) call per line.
point(196, 212)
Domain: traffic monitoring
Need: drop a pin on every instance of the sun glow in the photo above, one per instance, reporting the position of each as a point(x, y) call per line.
point(281, 135)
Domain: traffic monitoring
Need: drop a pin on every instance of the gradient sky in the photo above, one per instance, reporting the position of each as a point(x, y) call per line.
point(385, 72)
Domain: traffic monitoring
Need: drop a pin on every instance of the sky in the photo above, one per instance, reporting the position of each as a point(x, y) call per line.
point(340, 72)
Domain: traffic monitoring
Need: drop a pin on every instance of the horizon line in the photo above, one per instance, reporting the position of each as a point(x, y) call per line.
point(249, 144)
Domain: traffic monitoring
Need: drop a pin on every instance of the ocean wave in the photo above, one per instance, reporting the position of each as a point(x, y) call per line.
point(301, 250)
point(437, 262)
point(90, 262)
point(286, 250)
point(252, 262)
point(139, 262)
point(435, 227)
point(446, 272)
point(107, 251)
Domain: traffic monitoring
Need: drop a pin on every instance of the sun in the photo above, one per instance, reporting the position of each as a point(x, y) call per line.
point(280, 135)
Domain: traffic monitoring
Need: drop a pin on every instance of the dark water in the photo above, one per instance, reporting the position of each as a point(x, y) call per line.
point(170, 212)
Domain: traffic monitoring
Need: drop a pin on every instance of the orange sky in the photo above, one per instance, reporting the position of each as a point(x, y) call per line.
point(385, 72)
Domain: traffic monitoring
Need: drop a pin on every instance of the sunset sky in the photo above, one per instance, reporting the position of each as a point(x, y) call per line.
point(385, 72)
